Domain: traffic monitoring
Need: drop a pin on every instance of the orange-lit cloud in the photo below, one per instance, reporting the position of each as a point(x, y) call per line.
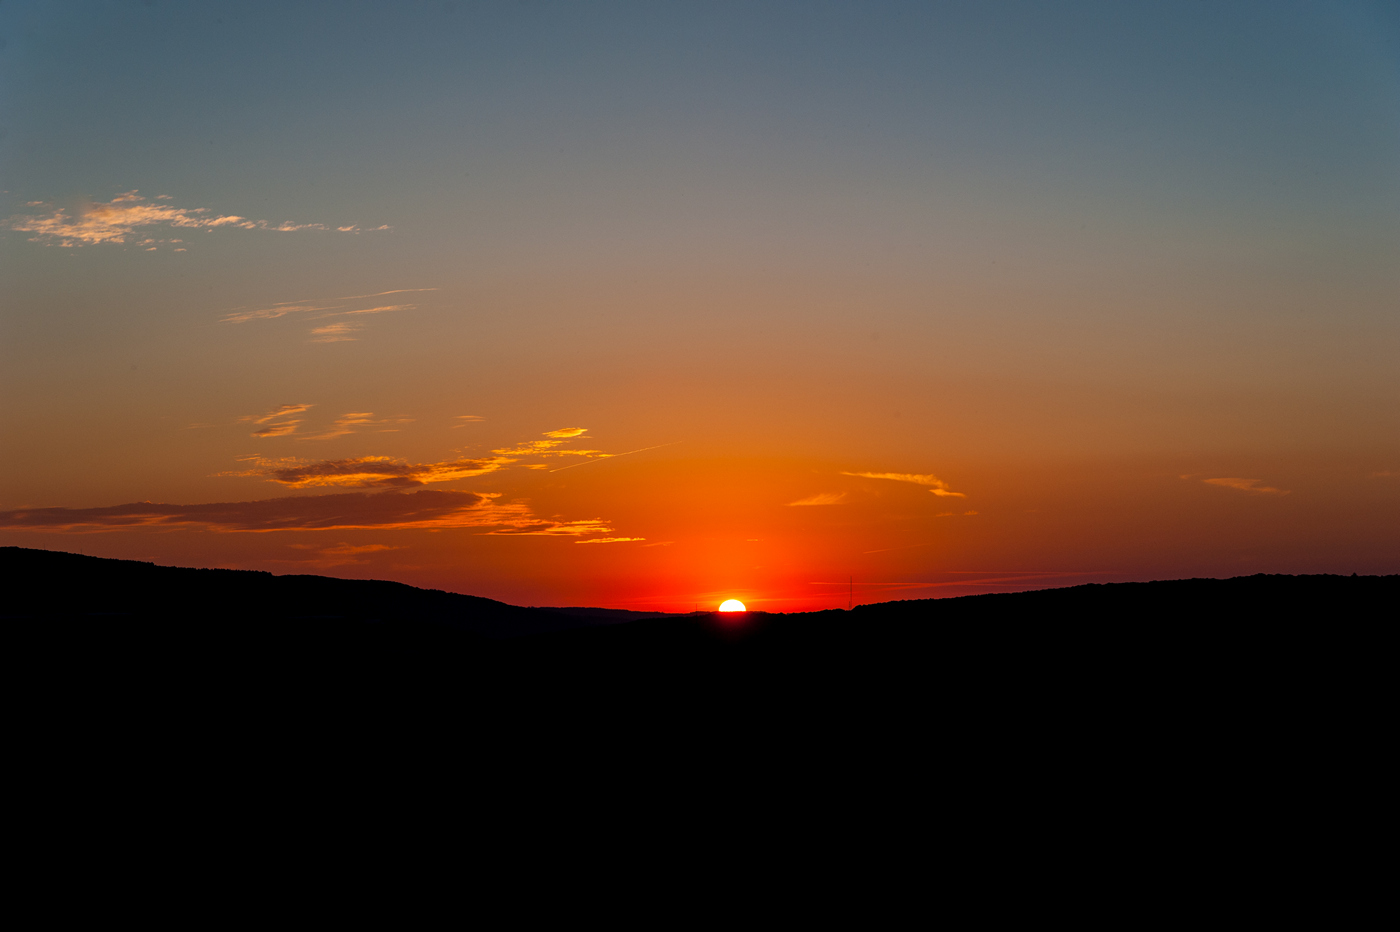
point(377, 310)
point(343, 511)
point(340, 331)
point(547, 447)
point(345, 550)
point(382, 471)
point(608, 540)
point(341, 554)
point(116, 220)
point(822, 498)
point(355, 421)
point(595, 455)
point(283, 421)
point(335, 333)
point(939, 487)
point(365, 472)
point(466, 419)
point(1245, 485)
point(279, 422)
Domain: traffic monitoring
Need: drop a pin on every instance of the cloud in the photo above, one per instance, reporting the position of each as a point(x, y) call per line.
point(466, 419)
point(378, 310)
point(240, 316)
point(335, 333)
point(114, 221)
point(279, 422)
point(384, 472)
point(822, 498)
point(599, 455)
point(351, 423)
point(343, 511)
point(278, 412)
point(282, 422)
point(1386, 474)
point(380, 294)
point(546, 447)
point(341, 331)
point(365, 472)
point(346, 550)
point(940, 487)
point(1245, 485)
point(608, 540)
point(342, 554)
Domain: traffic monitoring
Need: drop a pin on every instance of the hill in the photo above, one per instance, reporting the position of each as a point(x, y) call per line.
point(163, 643)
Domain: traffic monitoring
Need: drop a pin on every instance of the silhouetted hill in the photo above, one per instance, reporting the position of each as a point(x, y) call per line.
point(310, 655)
point(48, 584)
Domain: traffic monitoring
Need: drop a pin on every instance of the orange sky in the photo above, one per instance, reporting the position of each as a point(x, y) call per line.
point(656, 310)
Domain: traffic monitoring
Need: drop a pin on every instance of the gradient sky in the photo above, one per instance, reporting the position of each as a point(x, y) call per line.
point(650, 305)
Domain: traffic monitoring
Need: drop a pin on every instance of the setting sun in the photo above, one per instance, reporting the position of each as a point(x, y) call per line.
point(647, 322)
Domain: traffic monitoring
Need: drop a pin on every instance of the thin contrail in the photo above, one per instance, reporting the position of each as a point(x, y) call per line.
point(378, 293)
point(616, 455)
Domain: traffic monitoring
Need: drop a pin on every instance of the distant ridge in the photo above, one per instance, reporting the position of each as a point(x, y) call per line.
point(45, 583)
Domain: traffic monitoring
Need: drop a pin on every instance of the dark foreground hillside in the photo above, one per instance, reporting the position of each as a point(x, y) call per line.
point(971, 734)
point(307, 655)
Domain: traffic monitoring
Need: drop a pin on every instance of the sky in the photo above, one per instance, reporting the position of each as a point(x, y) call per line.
point(651, 305)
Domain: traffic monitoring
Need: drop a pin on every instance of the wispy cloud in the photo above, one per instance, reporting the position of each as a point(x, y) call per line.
point(335, 333)
point(599, 455)
point(355, 422)
point(383, 309)
point(466, 419)
point(341, 554)
point(938, 486)
point(609, 540)
point(279, 422)
point(380, 294)
point(822, 498)
point(348, 550)
point(117, 220)
point(344, 511)
point(243, 315)
point(284, 421)
point(340, 331)
point(1245, 485)
point(388, 471)
point(364, 472)
point(548, 447)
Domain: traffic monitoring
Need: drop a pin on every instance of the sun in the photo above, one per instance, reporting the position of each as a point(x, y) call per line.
point(732, 605)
